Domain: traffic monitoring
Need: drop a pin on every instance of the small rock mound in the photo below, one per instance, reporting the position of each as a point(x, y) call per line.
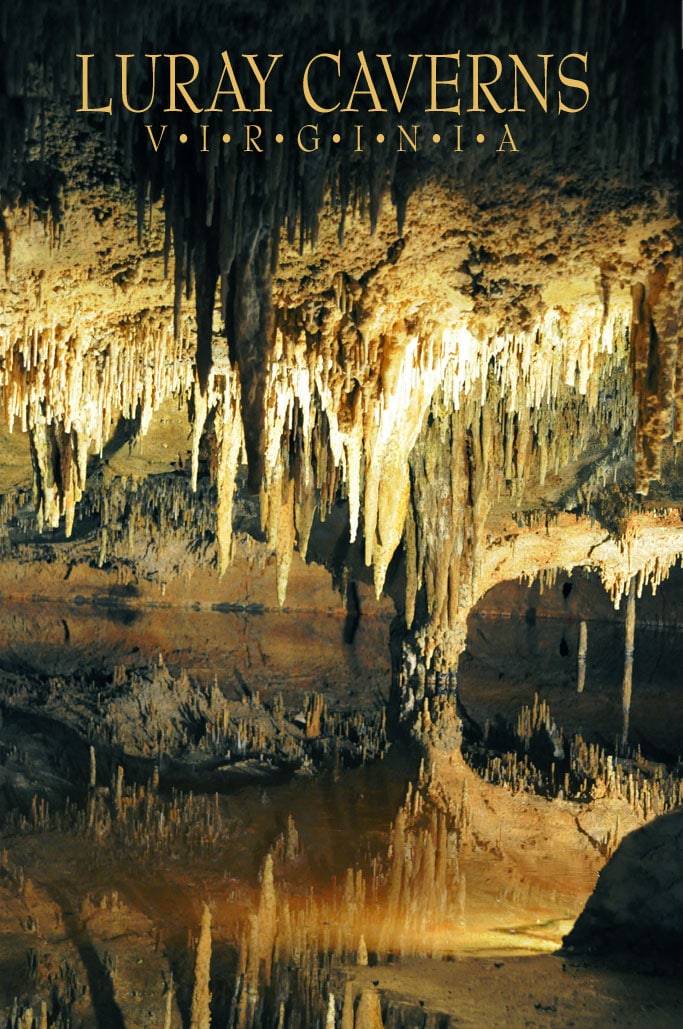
point(637, 905)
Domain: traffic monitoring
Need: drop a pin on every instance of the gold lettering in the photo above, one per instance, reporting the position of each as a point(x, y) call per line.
point(156, 143)
point(315, 140)
point(254, 133)
point(573, 84)
point(477, 84)
point(435, 58)
point(410, 140)
point(261, 79)
point(85, 94)
point(336, 58)
point(507, 140)
point(177, 86)
point(541, 97)
point(364, 73)
point(124, 58)
point(235, 91)
point(398, 100)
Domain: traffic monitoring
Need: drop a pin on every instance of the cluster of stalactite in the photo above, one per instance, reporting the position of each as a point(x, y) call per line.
point(652, 571)
point(225, 214)
point(222, 398)
point(68, 394)
point(466, 459)
point(633, 570)
point(572, 769)
point(424, 435)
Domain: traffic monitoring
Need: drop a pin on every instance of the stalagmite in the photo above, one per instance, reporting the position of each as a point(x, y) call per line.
point(362, 952)
point(583, 649)
point(628, 663)
point(200, 1017)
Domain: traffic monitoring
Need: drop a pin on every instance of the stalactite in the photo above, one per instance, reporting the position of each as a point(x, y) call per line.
point(229, 437)
point(68, 396)
point(655, 349)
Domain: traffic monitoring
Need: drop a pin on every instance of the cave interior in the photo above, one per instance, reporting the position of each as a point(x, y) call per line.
point(341, 491)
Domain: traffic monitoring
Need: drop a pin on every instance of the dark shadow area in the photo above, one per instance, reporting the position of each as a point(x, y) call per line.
point(353, 613)
point(637, 906)
point(107, 1011)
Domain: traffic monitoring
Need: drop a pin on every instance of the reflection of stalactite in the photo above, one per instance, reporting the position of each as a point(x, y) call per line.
point(201, 996)
point(629, 647)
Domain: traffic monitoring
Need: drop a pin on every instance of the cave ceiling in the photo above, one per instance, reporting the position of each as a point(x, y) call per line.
point(474, 348)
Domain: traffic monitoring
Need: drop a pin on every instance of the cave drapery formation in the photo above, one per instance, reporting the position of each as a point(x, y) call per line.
point(433, 368)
